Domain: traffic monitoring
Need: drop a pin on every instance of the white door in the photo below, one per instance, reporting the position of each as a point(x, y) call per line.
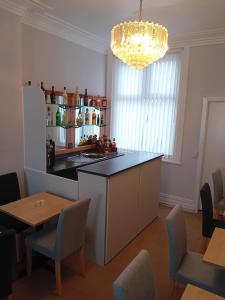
point(214, 150)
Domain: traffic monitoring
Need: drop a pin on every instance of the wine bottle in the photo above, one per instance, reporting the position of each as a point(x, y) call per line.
point(58, 118)
point(85, 98)
point(102, 120)
point(53, 96)
point(98, 120)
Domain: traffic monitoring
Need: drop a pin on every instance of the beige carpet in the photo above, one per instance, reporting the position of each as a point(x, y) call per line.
point(98, 282)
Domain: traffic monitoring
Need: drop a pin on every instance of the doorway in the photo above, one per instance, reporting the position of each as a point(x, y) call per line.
point(211, 143)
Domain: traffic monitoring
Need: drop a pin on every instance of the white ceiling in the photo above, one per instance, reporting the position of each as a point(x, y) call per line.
point(181, 17)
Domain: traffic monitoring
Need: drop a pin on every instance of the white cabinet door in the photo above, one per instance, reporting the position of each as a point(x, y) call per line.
point(149, 192)
point(122, 211)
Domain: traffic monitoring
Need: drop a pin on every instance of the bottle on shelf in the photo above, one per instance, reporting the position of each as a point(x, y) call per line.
point(93, 102)
point(58, 117)
point(85, 98)
point(53, 96)
point(65, 96)
point(93, 121)
point(29, 83)
point(49, 117)
point(64, 118)
point(98, 120)
point(87, 115)
point(104, 102)
point(77, 97)
point(43, 89)
point(79, 119)
point(102, 120)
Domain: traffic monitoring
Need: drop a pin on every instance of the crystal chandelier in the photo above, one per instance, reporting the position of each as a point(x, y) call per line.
point(139, 43)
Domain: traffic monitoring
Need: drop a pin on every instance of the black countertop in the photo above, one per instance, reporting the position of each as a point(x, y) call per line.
point(119, 164)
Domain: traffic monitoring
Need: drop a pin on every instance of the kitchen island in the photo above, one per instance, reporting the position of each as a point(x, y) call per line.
point(124, 194)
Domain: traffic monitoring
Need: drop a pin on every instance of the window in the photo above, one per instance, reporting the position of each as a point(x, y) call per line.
point(145, 106)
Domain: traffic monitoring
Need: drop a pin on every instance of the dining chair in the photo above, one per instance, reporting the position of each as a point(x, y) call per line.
point(219, 200)
point(58, 242)
point(9, 192)
point(186, 266)
point(7, 261)
point(208, 222)
point(136, 280)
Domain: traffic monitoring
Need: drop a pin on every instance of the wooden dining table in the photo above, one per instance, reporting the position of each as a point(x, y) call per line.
point(36, 209)
point(192, 292)
point(215, 252)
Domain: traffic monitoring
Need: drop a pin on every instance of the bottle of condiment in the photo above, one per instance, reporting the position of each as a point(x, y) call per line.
point(77, 97)
point(53, 96)
point(87, 117)
point(58, 117)
point(93, 121)
point(85, 98)
point(65, 96)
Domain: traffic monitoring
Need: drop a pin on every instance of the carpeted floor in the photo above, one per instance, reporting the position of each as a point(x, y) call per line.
point(98, 282)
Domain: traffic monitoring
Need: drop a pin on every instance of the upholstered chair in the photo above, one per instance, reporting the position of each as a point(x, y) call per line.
point(186, 266)
point(219, 200)
point(136, 280)
point(58, 242)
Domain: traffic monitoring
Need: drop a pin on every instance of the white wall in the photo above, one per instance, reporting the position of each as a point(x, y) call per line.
point(206, 78)
point(61, 63)
point(11, 138)
point(30, 54)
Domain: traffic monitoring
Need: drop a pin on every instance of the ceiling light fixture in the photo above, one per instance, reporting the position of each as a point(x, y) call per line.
point(139, 43)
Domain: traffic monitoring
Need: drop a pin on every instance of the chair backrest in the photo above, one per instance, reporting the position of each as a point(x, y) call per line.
point(9, 188)
point(207, 210)
point(7, 260)
point(217, 186)
point(70, 233)
point(176, 230)
point(136, 281)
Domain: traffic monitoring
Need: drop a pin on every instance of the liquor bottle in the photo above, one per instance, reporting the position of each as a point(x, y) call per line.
point(102, 120)
point(77, 97)
point(93, 121)
point(87, 117)
point(85, 98)
point(43, 89)
point(98, 120)
point(64, 118)
point(49, 117)
point(58, 117)
point(53, 96)
point(65, 96)
point(79, 119)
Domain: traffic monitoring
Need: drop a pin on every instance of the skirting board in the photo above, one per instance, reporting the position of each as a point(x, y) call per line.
point(171, 200)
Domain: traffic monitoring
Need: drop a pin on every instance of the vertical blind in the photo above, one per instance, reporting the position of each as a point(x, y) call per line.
point(145, 104)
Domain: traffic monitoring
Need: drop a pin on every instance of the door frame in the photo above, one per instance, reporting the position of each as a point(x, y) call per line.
point(201, 146)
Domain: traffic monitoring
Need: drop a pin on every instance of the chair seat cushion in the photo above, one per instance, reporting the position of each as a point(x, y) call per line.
point(204, 275)
point(43, 241)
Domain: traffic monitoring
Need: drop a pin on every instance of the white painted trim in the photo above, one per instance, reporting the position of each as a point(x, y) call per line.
point(201, 146)
point(201, 38)
point(34, 14)
point(171, 201)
